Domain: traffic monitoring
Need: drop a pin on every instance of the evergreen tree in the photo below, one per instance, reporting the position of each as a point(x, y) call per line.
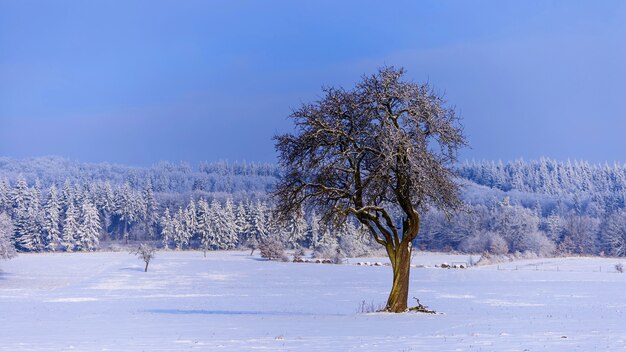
point(189, 220)
point(205, 226)
point(167, 228)
point(70, 228)
point(181, 235)
point(7, 249)
point(87, 236)
point(231, 228)
point(242, 224)
point(51, 220)
point(5, 196)
point(151, 206)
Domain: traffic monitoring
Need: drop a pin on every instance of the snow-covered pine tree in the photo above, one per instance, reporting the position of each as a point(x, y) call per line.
point(28, 222)
point(67, 197)
point(20, 197)
point(5, 196)
point(181, 236)
point(7, 249)
point(258, 228)
point(223, 226)
point(51, 221)
point(105, 202)
point(167, 228)
point(152, 216)
point(231, 228)
point(190, 221)
point(89, 228)
point(28, 228)
point(125, 210)
point(205, 228)
point(70, 228)
point(294, 231)
point(242, 224)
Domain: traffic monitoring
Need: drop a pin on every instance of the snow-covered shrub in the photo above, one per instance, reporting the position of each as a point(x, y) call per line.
point(324, 251)
point(298, 255)
point(619, 267)
point(485, 242)
point(497, 244)
point(536, 242)
point(272, 248)
point(338, 257)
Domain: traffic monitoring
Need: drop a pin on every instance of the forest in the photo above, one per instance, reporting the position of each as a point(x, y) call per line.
point(545, 207)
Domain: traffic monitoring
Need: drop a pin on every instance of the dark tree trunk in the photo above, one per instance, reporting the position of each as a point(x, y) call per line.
point(146, 269)
point(401, 264)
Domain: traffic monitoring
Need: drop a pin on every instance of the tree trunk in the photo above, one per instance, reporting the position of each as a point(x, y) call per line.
point(146, 269)
point(401, 264)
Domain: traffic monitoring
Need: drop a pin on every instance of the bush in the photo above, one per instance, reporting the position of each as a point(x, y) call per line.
point(619, 267)
point(538, 243)
point(272, 248)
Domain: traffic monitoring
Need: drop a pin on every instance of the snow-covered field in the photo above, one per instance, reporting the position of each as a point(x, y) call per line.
point(230, 301)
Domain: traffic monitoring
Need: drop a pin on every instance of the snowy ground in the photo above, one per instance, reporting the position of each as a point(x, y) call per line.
point(233, 302)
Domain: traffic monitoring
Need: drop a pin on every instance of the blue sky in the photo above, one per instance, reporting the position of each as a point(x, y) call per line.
point(137, 82)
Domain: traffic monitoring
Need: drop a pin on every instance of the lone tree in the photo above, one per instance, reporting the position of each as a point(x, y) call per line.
point(144, 252)
point(383, 153)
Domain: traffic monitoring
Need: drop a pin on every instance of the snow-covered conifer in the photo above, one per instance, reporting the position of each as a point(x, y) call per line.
point(89, 228)
point(70, 228)
point(7, 249)
point(181, 235)
point(167, 228)
point(51, 220)
point(5, 196)
point(205, 226)
point(242, 224)
point(151, 218)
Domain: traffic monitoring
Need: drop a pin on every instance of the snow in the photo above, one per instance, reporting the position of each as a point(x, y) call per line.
point(230, 301)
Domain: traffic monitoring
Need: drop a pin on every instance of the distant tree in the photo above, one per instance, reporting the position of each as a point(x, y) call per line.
point(189, 220)
point(205, 228)
point(5, 196)
point(386, 147)
point(294, 230)
point(167, 228)
point(150, 204)
point(89, 228)
point(272, 248)
point(70, 228)
point(146, 253)
point(7, 249)
point(614, 234)
point(51, 222)
point(259, 222)
point(230, 228)
point(241, 224)
point(181, 233)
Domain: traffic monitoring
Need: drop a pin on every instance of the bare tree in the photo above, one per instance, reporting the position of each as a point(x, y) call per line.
point(380, 151)
point(145, 252)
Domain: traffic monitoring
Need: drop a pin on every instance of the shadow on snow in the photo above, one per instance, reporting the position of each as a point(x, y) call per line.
point(229, 312)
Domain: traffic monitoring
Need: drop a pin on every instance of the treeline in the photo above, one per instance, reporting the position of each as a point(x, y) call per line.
point(239, 180)
point(79, 214)
point(545, 207)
